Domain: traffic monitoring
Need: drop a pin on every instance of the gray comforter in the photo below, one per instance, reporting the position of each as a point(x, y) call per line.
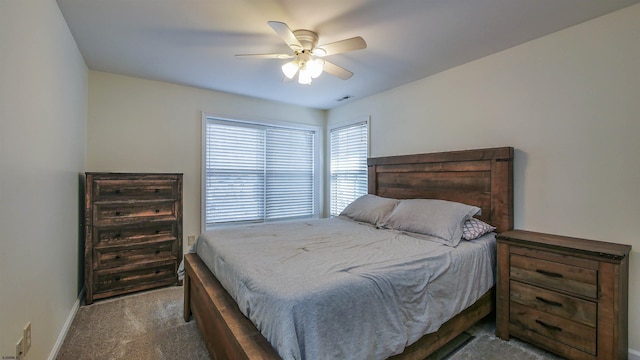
point(336, 289)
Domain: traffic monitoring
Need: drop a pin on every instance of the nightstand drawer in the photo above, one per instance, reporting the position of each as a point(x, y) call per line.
point(553, 275)
point(137, 254)
point(126, 189)
point(567, 307)
point(555, 328)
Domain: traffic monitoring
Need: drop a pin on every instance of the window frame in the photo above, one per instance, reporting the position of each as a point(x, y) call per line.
point(317, 159)
point(362, 119)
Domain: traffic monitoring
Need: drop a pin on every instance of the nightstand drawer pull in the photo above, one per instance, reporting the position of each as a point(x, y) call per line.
point(157, 211)
point(549, 273)
point(550, 327)
point(117, 213)
point(117, 278)
point(117, 257)
point(157, 231)
point(117, 235)
point(117, 191)
point(157, 190)
point(548, 302)
point(157, 251)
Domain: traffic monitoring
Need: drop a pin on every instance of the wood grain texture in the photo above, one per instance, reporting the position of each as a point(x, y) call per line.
point(564, 294)
point(133, 232)
point(482, 178)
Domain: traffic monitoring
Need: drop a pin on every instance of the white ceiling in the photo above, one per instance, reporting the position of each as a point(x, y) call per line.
point(193, 42)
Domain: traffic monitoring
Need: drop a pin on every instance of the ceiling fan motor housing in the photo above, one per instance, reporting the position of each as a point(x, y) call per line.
point(307, 38)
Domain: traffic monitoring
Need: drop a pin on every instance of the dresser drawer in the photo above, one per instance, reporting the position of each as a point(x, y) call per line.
point(567, 307)
point(555, 328)
point(554, 275)
point(136, 189)
point(110, 212)
point(110, 257)
point(132, 234)
point(111, 280)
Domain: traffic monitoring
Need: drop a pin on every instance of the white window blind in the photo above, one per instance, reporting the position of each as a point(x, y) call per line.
point(349, 152)
point(257, 173)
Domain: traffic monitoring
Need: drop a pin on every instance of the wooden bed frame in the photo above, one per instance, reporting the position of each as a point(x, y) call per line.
point(483, 178)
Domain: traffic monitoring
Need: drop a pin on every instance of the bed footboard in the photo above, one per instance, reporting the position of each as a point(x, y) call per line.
point(429, 343)
point(226, 332)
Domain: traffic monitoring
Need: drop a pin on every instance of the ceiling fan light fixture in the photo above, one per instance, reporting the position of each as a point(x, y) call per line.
point(304, 77)
point(307, 56)
point(319, 52)
point(290, 69)
point(315, 67)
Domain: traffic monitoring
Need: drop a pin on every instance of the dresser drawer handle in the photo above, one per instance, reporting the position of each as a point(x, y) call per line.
point(550, 327)
point(157, 271)
point(117, 235)
point(157, 231)
point(157, 251)
point(117, 213)
point(549, 273)
point(117, 257)
point(548, 302)
point(157, 211)
point(117, 278)
point(157, 190)
point(117, 191)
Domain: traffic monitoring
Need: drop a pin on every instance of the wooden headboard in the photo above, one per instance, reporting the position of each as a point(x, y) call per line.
point(482, 178)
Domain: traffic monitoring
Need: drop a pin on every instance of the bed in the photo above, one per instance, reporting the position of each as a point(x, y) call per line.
point(482, 178)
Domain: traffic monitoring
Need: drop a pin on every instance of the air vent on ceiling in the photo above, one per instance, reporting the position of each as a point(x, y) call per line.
point(346, 97)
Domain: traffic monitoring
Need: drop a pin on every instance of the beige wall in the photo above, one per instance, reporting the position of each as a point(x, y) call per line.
point(43, 112)
point(570, 105)
point(139, 125)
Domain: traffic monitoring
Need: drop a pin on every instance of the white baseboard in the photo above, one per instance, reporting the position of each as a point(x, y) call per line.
point(634, 354)
point(67, 325)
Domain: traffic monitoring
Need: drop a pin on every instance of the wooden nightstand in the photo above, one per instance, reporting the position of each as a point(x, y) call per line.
point(567, 295)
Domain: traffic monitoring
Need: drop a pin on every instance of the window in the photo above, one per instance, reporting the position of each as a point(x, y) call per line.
point(349, 149)
point(257, 173)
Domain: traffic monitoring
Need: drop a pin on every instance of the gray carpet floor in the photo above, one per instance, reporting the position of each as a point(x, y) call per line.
point(149, 326)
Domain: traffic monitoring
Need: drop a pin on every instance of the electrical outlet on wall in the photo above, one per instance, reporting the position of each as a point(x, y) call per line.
point(20, 349)
point(27, 337)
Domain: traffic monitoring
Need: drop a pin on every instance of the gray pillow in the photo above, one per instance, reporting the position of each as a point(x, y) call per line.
point(369, 208)
point(437, 218)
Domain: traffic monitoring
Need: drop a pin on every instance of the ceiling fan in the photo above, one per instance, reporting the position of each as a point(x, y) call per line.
point(307, 57)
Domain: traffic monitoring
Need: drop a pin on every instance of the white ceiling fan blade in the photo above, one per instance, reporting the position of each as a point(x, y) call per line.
point(336, 70)
point(354, 43)
point(265, 56)
point(286, 34)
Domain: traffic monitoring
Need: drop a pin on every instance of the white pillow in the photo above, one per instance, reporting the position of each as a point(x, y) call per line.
point(369, 208)
point(437, 218)
point(474, 228)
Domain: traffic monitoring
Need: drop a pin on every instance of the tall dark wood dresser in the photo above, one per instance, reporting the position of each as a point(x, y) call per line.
point(133, 232)
point(567, 295)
